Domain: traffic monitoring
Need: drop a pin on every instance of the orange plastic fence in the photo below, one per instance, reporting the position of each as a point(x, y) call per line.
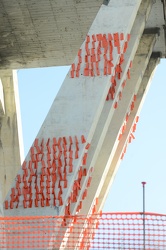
point(99, 231)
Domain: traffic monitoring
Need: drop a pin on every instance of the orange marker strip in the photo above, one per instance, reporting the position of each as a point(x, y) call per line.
point(84, 173)
point(79, 65)
point(33, 158)
point(86, 72)
point(19, 191)
point(99, 37)
point(77, 73)
point(115, 105)
point(32, 150)
point(120, 95)
point(83, 140)
point(89, 181)
point(70, 168)
point(79, 52)
point(65, 184)
point(125, 47)
point(54, 141)
point(84, 159)
point(24, 204)
point(110, 38)
point(122, 156)
point(93, 45)
point(73, 66)
point(76, 154)
point(38, 149)
point(36, 203)
point(48, 157)
point(129, 140)
point(6, 204)
point(80, 172)
point(128, 37)
point(86, 59)
point(60, 202)
point(87, 39)
point(48, 149)
point(132, 106)
point(116, 39)
point(121, 36)
point(121, 59)
point(94, 38)
point(124, 84)
point(132, 136)
point(24, 165)
point(87, 146)
point(120, 136)
point(48, 141)
point(84, 195)
point(98, 57)
point(134, 127)
point(42, 203)
point(19, 178)
point(125, 148)
point(137, 119)
point(105, 71)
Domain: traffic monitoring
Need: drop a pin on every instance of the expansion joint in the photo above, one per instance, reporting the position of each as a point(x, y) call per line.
point(153, 30)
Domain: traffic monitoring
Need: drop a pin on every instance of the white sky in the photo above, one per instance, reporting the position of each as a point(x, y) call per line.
point(145, 159)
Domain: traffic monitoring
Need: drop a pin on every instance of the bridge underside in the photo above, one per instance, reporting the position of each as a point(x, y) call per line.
point(43, 33)
point(49, 32)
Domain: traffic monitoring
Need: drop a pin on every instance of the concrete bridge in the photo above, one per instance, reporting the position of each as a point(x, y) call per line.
point(113, 48)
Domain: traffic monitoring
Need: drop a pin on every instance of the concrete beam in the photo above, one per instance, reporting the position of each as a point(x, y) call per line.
point(112, 148)
point(140, 63)
point(103, 174)
point(141, 95)
point(107, 114)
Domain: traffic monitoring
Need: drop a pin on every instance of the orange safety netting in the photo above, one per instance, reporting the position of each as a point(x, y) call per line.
point(99, 231)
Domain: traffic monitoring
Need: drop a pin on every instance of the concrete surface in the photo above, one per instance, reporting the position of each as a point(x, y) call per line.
point(49, 32)
point(43, 33)
point(11, 145)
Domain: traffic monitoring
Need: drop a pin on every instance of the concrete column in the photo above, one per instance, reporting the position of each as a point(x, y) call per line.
point(11, 146)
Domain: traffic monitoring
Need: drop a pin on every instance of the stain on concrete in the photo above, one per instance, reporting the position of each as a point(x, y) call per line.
point(8, 121)
point(106, 2)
